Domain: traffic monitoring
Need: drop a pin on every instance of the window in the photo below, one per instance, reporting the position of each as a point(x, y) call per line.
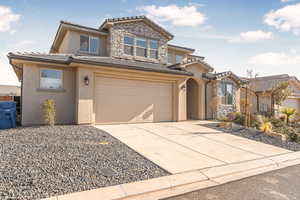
point(153, 49)
point(128, 45)
point(227, 93)
point(89, 44)
point(141, 47)
point(51, 79)
point(179, 58)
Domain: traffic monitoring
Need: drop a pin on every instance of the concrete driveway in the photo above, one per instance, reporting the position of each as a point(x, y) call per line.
point(185, 146)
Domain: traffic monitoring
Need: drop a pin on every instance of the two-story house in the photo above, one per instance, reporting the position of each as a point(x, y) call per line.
point(125, 71)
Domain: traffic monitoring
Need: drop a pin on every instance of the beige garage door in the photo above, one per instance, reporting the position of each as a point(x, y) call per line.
point(292, 103)
point(132, 101)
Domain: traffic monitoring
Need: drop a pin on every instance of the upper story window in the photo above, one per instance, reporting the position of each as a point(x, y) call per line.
point(153, 49)
point(227, 93)
point(89, 44)
point(178, 58)
point(128, 45)
point(51, 79)
point(141, 47)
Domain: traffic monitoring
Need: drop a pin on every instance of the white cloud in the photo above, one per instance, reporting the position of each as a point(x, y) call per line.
point(275, 59)
point(285, 1)
point(285, 19)
point(252, 36)
point(6, 18)
point(178, 16)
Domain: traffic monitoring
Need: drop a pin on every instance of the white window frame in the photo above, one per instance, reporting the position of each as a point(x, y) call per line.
point(153, 49)
point(62, 79)
point(89, 49)
point(148, 48)
point(144, 48)
point(129, 45)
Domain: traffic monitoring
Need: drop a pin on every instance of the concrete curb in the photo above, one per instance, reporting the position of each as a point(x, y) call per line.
point(176, 184)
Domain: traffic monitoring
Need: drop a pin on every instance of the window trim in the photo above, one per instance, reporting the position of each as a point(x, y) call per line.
point(225, 96)
point(51, 89)
point(129, 45)
point(135, 46)
point(89, 48)
point(151, 49)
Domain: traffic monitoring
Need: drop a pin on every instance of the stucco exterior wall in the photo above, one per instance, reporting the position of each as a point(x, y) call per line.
point(85, 94)
point(118, 31)
point(33, 97)
point(172, 55)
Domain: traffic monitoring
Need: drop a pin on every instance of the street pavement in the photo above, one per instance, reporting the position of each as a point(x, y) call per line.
point(283, 184)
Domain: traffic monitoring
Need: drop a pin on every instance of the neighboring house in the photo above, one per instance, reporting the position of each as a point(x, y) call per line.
point(125, 71)
point(261, 101)
point(8, 92)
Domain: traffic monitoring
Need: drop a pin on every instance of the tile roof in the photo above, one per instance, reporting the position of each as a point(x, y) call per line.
point(221, 75)
point(267, 82)
point(193, 60)
point(180, 47)
point(97, 60)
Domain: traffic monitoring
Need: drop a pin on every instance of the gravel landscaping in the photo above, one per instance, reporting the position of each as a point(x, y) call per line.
point(40, 162)
point(256, 135)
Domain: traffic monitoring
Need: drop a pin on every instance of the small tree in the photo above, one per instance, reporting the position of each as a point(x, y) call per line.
point(49, 112)
point(288, 112)
point(279, 93)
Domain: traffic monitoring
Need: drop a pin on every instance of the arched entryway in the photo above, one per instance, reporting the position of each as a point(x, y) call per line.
point(192, 99)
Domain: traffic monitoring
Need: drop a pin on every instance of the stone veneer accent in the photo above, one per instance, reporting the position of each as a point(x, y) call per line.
point(118, 31)
point(223, 110)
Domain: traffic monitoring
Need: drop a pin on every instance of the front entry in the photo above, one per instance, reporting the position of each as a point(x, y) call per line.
point(192, 99)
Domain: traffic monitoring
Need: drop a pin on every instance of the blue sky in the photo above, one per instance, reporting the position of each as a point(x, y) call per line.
point(236, 35)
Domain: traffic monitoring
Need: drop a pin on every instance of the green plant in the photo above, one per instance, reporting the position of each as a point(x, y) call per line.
point(277, 122)
point(49, 112)
point(239, 118)
point(290, 132)
point(288, 112)
point(265, 124)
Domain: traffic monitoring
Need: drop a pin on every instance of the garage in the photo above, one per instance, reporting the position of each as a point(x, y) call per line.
point(292, 103)
point(119, 100)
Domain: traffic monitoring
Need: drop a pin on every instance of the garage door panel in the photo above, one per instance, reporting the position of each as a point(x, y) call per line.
point(122, 100)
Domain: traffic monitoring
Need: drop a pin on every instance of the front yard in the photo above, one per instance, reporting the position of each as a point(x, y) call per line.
point(40, 162)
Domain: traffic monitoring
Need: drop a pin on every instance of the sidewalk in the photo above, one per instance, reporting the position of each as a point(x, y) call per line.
point(163, 187)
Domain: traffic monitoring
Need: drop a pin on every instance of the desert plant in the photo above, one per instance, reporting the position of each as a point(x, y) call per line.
point(277, 122)
point(239, 118)
point(49, 112)
point(288, 112)
point(265, 124)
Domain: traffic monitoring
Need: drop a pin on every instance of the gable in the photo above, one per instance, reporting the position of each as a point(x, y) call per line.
point(139, 29)
point(197, 69)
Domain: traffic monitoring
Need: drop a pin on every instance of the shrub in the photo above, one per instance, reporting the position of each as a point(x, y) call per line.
point(49, 112)
point(239, 119)
point(277, 122)
point(290, 132)
point(265, 126)
point(254, 121)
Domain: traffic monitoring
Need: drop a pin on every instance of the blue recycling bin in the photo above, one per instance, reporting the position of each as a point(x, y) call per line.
point(8, 114)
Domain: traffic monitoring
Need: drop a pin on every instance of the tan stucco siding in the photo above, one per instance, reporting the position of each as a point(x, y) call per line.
point(32, 97)
point(172, 55)
point(86, 94)
point(71, 43)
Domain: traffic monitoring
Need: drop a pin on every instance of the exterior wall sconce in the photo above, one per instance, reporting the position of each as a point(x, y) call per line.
point(86, 80)
point(183, 87)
